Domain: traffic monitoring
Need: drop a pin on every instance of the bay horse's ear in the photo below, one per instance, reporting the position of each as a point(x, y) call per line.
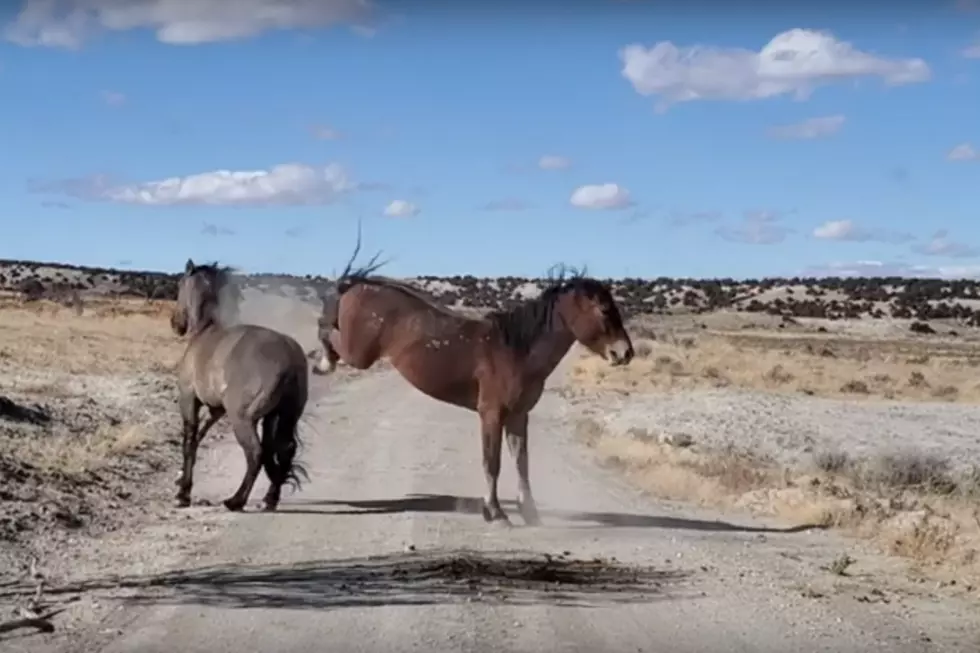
point(189, 267)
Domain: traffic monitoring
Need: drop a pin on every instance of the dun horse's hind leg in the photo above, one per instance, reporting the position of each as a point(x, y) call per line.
point(517, 443)
point(282, 449)
point(492, 436)
point(248, 438)
point(190, 408)
point(269, 454)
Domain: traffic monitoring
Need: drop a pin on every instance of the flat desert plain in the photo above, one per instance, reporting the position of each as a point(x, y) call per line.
point(821, 474)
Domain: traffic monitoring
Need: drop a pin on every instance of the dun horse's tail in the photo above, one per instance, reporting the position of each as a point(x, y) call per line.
point(294, 473)
point(280, 444)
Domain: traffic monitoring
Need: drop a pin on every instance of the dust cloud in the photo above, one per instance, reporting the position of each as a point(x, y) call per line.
point(291, 309)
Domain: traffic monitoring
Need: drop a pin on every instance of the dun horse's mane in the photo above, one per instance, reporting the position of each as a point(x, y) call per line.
point(219, 276)
point(522, 325)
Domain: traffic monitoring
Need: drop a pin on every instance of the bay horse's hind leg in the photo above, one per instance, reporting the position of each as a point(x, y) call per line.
point(492, 436)
point(190, 408)
point(248, 438)
point(516, 427)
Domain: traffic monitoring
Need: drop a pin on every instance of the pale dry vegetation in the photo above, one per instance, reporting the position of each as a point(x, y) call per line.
point(811, 365)
point(908, 501)
point(907, 504)
point(108, 337)
point(87, 397)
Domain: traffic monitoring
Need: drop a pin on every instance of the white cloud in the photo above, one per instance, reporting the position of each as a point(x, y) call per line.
point(401, 209)
point(840, 230)
point(285, 184)
point(601, 196)
point(793, 63)
point(891, 269)
point(809, 129)
point(963, 152)
point(756, 228)
point(114, 98)
point(554, 162)
point(69, 23)
point(941, 245)
point(847, 230)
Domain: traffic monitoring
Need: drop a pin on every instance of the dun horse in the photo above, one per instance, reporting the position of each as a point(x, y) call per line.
point(496, 365)
point(246, 371)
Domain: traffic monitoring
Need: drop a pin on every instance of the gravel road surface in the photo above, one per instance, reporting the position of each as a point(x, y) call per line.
point(384, 550)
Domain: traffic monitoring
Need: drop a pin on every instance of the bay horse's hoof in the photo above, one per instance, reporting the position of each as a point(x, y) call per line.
point(182, 502)
point(531, 517)
point(269, 507)
point(233, 505)
point(495, 516)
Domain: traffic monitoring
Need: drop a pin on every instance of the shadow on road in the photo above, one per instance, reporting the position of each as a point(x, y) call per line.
point(420, 578)
point(473, 505)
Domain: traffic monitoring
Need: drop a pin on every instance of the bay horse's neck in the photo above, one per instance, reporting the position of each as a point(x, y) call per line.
point(548, 350)
point(550, 345)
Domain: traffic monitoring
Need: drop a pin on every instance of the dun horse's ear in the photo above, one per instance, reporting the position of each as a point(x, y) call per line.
point(189, 267)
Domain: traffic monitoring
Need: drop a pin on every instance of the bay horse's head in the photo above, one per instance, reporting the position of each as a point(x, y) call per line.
point(587, 307)
point(197, 297)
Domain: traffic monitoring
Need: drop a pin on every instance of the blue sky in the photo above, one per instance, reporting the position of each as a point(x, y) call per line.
point(641, 138)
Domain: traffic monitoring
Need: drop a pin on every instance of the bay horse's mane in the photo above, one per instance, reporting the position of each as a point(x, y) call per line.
point(520, 326)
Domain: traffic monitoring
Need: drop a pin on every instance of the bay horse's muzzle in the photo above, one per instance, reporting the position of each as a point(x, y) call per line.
point(620, 353)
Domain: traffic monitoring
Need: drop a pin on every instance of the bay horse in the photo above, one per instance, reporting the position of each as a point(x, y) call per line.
point(245, 371)
point(495, 365)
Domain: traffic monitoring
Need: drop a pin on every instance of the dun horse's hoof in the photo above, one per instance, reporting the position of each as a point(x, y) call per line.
point(233, 505)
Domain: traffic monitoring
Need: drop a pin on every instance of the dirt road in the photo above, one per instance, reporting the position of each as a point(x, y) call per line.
point(442, 579)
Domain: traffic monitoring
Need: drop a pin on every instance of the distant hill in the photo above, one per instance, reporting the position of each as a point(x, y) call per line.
point(828, 298)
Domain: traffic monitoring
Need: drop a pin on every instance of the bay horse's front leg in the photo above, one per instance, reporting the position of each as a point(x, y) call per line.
point(516, 427)
point(190, 408)
point(492, 435)
point(328, 361)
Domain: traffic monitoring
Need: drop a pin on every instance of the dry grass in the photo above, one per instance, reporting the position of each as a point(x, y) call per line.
point(102, 376)
point(109, 337)
point(910, 505)
point(74, 456)
point(811, 366)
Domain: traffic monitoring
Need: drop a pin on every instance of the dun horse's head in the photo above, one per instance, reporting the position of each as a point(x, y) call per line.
point(197, 298)
point(588, 308)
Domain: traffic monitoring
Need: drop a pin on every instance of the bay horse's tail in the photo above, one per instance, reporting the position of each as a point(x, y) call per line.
point(350, 276)
point(329, 319)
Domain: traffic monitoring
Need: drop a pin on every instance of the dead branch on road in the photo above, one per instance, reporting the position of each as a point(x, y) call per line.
point(35, 614)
